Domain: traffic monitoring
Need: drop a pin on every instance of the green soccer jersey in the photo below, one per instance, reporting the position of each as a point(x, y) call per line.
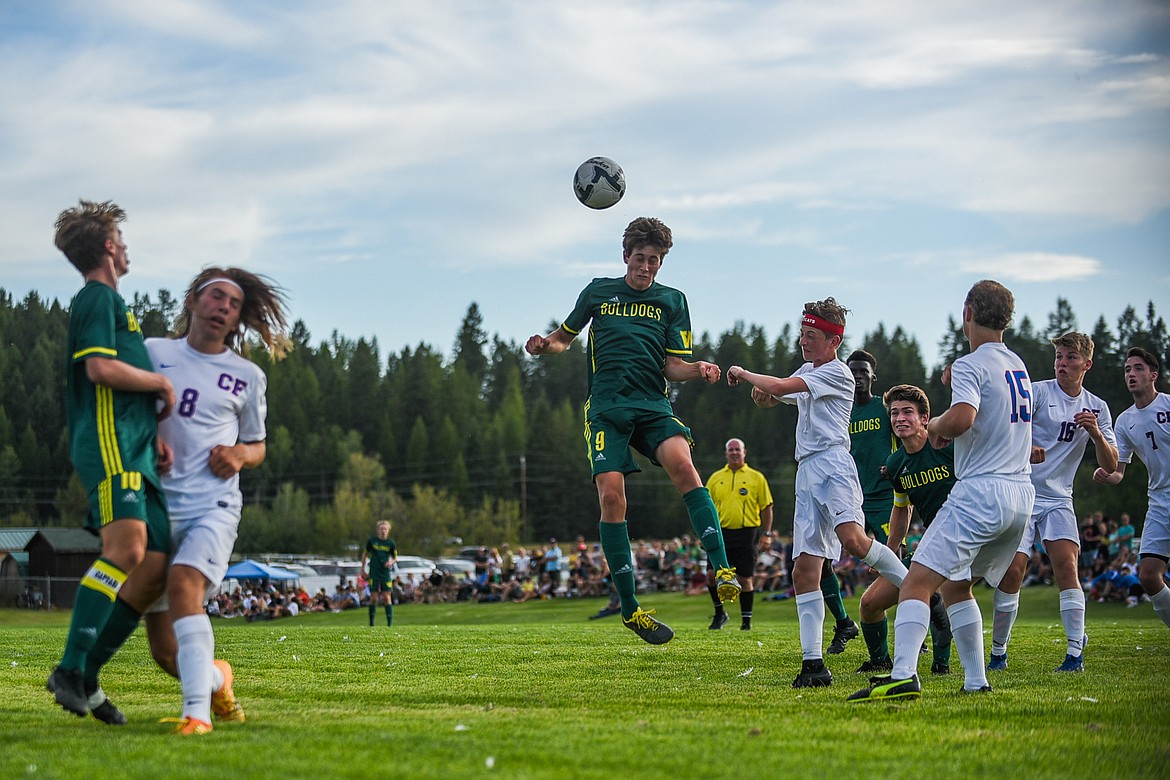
point(632, 333)
point(924, 478)
point(870, 443)
point(110, 431)
point(380, 552)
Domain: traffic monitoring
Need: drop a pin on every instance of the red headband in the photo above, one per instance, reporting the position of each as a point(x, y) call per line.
point(813, 321)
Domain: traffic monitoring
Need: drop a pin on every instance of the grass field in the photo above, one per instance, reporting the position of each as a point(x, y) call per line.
point(536, 690)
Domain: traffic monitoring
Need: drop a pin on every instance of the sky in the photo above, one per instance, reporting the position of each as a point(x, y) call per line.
point(389, 162)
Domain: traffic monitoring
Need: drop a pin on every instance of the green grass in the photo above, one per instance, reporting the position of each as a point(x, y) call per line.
point(536, 690)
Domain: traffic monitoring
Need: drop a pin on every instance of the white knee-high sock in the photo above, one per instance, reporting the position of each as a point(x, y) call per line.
point(1072, 615)
point(910, 627)
point(886, 562)
point(810, 613)
point(1161, 602)
point(967, 629)
point(196, 653)
point(1007, 605)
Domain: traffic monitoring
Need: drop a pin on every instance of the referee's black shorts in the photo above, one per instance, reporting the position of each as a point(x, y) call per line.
point(743, 549)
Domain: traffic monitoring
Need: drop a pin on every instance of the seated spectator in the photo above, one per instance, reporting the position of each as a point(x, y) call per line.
point(698, 583)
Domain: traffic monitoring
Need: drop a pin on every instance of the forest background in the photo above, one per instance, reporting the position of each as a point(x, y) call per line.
point(484, 444)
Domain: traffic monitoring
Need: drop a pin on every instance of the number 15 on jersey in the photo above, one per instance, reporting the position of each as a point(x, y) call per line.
point(1021, 389)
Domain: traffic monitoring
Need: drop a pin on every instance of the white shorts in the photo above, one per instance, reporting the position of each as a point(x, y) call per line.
point(1156, 534)
point(827, 494)
point(1048, 522)
point(205, 544)
point(978, 529)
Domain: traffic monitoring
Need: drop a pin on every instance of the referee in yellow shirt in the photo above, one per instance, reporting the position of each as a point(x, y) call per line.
point(744, 500)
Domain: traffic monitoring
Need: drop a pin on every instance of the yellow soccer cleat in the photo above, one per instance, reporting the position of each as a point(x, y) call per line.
point(188, 727)
point(223, 702)
point(726, 584)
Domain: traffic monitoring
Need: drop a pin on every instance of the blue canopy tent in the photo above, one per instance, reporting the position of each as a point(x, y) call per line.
point(254, 570)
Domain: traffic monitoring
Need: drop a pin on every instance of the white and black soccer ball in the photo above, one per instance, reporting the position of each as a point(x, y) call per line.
point(599, 183)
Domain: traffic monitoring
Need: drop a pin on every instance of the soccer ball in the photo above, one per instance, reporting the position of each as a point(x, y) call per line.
point(599, 183)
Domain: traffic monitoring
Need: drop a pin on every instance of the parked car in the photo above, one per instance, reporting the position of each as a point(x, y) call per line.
point(456, 566)
point(413, 564)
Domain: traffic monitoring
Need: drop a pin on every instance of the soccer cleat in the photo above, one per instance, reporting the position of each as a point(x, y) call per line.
point(719, 621)
point(104, 710)
point(940, 668)
point(880, 665)
point(188, 727)
point(223, 702)
point(884, 688)
point(813, 674)
point(726, 585)
point(67, 686)
point(982, 689)
point(746, 625)
point(1072, 663)
point(648, 628)
point(842, 633)
point(997, 663)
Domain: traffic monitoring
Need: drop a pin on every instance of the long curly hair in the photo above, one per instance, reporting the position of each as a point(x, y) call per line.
point(262, 311)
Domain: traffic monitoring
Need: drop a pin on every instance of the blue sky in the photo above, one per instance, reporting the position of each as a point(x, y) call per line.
point(391, 162)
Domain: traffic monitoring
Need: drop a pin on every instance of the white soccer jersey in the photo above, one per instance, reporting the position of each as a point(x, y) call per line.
point(823, 412)
point(1064, 443)
point(1146, 433)
point(220, 399)
point(995, 382)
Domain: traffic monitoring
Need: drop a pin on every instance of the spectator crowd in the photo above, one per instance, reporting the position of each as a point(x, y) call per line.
point(1108, 571)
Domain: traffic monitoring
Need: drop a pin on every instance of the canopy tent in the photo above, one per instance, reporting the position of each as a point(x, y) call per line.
point(254, 570)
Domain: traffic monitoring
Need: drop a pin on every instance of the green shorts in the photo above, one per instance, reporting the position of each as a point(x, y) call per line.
point(380, 586)
point(127, 496)
point(611, 434)
point(877, 519)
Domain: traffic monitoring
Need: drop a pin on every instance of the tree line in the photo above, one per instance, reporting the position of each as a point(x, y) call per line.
point(483, 443)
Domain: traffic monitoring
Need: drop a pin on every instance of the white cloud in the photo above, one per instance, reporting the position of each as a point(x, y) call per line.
point(1035, 267)
point(378, 138)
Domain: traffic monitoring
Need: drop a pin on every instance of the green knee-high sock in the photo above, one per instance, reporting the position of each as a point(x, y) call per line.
point(389, 614)
point(615, 543)
point(831, 588)
point(877, 638)
point(705, 522)
point(91, 608)
point(373, 610)
point(119, 626)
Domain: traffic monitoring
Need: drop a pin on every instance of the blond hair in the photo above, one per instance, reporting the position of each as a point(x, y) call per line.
point(1077, 342)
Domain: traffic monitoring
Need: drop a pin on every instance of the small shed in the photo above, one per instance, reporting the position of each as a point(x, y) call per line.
point(13, 561)
point(62, 552)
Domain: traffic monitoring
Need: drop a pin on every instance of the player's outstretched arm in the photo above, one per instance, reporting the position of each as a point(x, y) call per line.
point(769, 384)
point(552, 344)
point(678, 370)
point(1103, 477)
